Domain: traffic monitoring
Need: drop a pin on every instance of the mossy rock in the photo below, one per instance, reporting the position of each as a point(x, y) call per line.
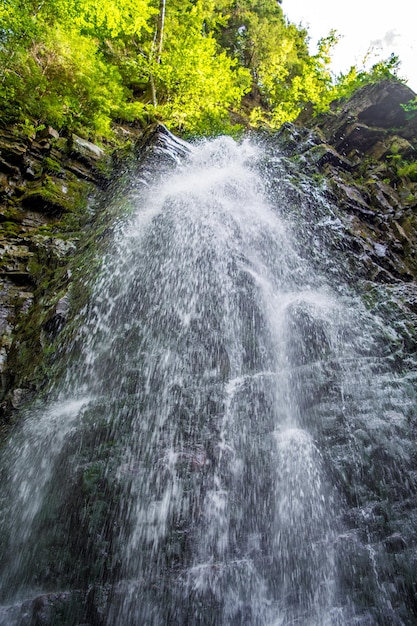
point(51, 166)
point(10, 229)
point(54, 196)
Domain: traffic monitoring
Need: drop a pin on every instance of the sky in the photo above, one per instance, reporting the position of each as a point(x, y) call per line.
point(378, 26)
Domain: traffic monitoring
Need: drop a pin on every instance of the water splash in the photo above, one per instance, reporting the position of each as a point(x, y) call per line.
point(188, 486)
point(28, 464)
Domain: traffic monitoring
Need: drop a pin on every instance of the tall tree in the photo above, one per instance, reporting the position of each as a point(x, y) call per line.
point(157, 46)
point(197, 82)
point(82, 64)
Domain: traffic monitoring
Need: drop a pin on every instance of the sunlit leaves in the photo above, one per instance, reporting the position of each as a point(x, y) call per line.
point(82, 64)
point(196, 81)
point(54, 67)
point(199, 85)
point(106, 18)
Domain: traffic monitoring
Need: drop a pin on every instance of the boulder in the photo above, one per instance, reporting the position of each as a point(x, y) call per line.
point(363, 119)
point(380, 104)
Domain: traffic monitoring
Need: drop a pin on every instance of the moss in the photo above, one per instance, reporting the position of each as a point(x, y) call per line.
point(409, 225)
point(33, 358)
point(55, 196)
point(408, 171)
point(69, 223)
point(11, 214)
point(10, 228)
point(34, 353)
point(47, 261)
point(318, 179)
point(35, 268)
point(51, 166)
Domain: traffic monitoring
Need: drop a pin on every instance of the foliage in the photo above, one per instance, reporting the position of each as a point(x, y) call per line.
point(408, 171)
point(197, 83)
point(299, 83)
point(53, 64)
point(410, 108)
point(81, 65)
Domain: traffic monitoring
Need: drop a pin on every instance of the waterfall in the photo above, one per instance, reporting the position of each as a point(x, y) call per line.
point(180, 473)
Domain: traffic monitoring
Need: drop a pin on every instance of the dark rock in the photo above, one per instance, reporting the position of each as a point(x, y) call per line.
point(13, 147)
point(82, 171)
point(393, 145)
point(6, 167)
point(380, 104)
point(157, 145)
point(395, 543)
point(53, 195)
point(45, 185)
point(52, 609)
point(351, 198)
point(85, 150)
point(377, 105)
point(383, 195)
point(291, 138)
point(88, 161)
point(374, 131)
point(18, 398)
point(358, 136)
point(59, 318)
point(47, 133)
point(323, 154)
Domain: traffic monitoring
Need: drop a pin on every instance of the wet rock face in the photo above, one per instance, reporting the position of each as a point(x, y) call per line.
point(53, 608)
point(355, 152)
point(51, 191)
point(360, 225)
point(364, 152)
point(46, 183)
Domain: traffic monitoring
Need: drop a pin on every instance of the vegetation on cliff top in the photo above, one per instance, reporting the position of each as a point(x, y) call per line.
point(200, 66)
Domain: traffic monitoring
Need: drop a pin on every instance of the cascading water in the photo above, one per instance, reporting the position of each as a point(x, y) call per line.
point(179, 476)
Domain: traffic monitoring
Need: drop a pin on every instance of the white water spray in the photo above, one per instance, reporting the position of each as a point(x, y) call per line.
point(193, 474)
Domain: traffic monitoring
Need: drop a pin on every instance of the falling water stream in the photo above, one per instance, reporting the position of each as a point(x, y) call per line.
point(177, 477)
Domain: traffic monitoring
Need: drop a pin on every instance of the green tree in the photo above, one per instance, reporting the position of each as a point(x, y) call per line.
point(196, 82)
point(55, 66)
point(82, 65)
point(284, 74)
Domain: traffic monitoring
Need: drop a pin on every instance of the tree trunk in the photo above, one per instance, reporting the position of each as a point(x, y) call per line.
point(157, 46)
point(159, 40)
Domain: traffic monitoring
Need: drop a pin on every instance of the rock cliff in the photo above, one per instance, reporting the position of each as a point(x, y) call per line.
point(366, 150)
point(355, 223)
point(47, 186)
point(362, 153)
point(359, 227)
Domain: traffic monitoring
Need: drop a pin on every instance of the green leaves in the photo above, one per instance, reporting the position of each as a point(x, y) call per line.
point(80, 65)
point(53, 61)
point(107, 19)
point(196, 81)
